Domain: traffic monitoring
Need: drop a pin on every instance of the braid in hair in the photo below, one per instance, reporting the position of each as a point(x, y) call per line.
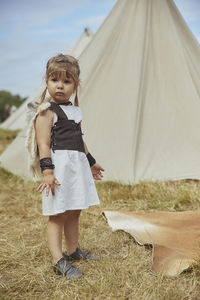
point(43, 95)
point(76, 100)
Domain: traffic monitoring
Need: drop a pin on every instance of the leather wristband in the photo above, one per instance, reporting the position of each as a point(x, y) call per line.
point(46, 163)
point(91, 159)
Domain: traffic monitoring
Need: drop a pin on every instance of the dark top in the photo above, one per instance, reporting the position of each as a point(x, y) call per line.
point(65, 134)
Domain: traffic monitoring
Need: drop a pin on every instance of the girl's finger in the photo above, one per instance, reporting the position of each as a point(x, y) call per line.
point(96, 177)
point(43, 187)
point(57, 182)
point(47, 190)
point(99, 176)
point(40, 190)
point(52, 189)
point(39, 187)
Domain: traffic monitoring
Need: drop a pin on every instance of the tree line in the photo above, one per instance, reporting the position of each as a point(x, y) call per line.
point(8, 103)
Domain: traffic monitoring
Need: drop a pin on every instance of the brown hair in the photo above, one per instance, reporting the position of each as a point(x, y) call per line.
point(60, 65)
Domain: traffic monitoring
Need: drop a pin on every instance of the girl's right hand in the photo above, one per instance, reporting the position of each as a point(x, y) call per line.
point(49, 181)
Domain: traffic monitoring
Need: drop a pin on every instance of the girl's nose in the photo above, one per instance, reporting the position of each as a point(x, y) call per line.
point(60, 84)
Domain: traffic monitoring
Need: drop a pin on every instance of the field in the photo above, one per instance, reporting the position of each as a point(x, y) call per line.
point(124, 270)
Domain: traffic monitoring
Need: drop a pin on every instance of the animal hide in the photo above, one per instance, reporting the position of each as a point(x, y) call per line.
point(31, 144)
point(175, 236)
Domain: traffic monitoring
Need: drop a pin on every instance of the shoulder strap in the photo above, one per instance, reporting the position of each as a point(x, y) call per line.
point(60, 113)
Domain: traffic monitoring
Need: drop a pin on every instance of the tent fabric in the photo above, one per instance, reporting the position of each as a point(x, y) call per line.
point(15, 157)
point(175, 236)
point(140, 95)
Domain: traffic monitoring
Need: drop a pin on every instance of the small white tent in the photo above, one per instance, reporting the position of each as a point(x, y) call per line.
point(15, 158)
point(81, 43)
point(17, 120)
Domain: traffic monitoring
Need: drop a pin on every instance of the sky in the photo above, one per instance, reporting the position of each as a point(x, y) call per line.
point(31, 31)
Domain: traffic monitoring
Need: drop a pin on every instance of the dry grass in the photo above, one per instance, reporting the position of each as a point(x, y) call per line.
point(6, 136)
point(124, 270)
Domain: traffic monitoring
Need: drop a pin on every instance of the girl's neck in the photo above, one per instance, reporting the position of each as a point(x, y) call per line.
point(60, 103)
point(66, 102)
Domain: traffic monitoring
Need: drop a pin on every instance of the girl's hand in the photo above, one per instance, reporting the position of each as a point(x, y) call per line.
point(97, 171)
point(49, 181)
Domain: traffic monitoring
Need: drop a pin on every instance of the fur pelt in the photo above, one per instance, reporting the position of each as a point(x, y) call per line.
point(31, 144)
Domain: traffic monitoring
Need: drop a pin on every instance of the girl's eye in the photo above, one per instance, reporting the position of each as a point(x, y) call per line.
point(67, 81)
point(54, 79)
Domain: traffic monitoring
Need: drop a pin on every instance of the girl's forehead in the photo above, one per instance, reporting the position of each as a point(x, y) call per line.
point(60, 75)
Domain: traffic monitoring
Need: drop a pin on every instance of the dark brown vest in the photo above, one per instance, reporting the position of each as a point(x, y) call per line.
point(65, 134)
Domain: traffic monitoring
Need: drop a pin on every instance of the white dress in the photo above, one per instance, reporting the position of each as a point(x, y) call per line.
point(72, 170)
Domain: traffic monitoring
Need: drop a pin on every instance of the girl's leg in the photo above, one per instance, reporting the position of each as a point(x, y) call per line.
point(54, 235)
point(71, 225)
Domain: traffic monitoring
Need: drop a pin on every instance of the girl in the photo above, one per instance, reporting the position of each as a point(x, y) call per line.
point(67, 167)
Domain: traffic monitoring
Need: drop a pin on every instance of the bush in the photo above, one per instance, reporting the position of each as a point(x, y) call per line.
point(6, 98)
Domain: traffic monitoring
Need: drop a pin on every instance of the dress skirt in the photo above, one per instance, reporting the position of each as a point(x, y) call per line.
point(77, 189)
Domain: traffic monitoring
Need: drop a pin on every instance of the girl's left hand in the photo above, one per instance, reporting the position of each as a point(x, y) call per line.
point(97, 171)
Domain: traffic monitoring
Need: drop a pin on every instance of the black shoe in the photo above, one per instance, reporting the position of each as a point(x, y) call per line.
point(78, 255)
point(64, 268)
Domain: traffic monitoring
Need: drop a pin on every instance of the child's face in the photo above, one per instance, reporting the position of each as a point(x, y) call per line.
point(60, 89)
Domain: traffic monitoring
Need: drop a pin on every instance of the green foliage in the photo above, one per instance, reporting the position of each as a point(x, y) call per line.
point(6, 98)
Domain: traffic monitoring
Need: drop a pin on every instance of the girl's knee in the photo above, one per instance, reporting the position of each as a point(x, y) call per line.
point(57, 218)
point(64, 216)
point(74, 213)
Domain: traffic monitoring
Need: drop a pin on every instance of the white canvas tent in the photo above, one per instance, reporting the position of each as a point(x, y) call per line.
point(141, 99)
point(17, 120)
point(140, 95)
point(15, 158)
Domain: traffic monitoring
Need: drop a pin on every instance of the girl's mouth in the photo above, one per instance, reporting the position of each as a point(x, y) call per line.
point(59, 94)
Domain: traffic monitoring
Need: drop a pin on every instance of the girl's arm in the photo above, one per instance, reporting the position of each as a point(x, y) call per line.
point(43, 126)
point(86, 148)
point(96, 169)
